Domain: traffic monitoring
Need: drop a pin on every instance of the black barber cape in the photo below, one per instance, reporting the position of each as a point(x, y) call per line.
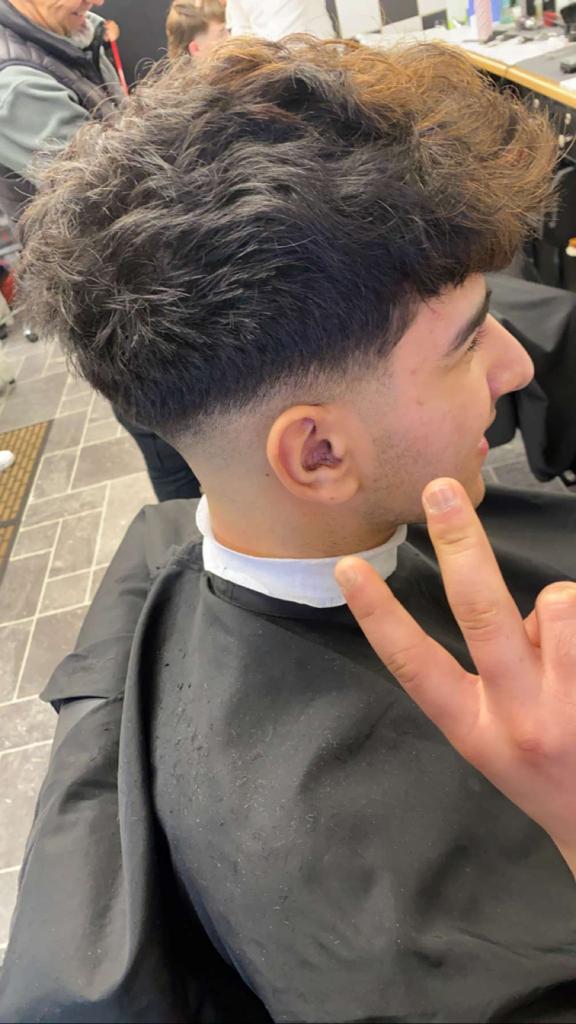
point(254, 821)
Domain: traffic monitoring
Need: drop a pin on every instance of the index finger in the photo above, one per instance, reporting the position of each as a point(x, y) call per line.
point(428, 673)
point(478, 596)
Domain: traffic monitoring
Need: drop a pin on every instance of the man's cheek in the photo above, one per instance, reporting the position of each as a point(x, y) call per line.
point(435, 435)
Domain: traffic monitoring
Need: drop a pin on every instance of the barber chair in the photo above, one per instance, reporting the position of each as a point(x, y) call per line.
point(543, 319)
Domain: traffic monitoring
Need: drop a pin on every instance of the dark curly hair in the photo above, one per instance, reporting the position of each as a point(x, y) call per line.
point(274, 213)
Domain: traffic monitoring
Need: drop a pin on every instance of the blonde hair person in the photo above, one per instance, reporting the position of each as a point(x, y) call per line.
point(193, 28)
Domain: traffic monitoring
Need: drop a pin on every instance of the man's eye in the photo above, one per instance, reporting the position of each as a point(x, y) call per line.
point(475, 343)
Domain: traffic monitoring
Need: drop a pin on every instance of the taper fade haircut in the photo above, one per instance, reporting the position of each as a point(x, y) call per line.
point(275, 214)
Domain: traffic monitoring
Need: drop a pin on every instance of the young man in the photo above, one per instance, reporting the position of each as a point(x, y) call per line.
point(287, 281)
point(194, 30)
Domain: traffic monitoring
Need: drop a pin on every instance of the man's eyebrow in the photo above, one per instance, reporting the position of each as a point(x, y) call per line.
point(470, 326)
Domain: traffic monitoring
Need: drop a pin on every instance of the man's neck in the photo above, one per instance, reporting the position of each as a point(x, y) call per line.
point(258, 529)
point(29, 9)
point(305, 581)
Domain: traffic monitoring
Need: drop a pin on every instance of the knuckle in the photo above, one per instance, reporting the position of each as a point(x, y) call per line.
point(532, 745)
point(457, 541)
point(404, 664)
point(538, 738)
point(565, 647)
point(479, 620)
point(538, 745)
point(558, 597)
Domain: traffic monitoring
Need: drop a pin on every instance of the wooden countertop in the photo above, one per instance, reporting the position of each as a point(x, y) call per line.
point(536, 83)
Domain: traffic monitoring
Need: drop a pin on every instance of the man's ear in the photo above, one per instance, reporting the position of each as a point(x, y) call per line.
point(312, 452)
point(193, 48)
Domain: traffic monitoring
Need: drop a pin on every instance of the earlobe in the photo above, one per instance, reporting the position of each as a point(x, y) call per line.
point(311, 455)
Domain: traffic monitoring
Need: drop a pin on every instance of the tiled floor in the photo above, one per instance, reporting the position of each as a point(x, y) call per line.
point(90, 483)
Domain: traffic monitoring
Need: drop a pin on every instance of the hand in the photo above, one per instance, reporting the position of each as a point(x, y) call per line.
point(516, 720)
point(111, 31)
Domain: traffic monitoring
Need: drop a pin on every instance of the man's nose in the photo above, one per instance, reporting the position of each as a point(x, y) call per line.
point(513, 368)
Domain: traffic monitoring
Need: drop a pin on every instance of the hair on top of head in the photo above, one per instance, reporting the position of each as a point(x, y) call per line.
point(186, 21)
point(214, 10)
point(273, 213)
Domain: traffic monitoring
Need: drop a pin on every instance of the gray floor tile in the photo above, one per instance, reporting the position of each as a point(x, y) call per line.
point(22, 772)
point(53, 638)
point(66, 432)
point(21, 587)
point(54, 475)
point(58, 362)
point(65, 592)
point(125, 499)
point(102, 430)
point(34, 364)
point(13, 362)
point(107, 461)
point(37, 538)
point(76, 386)
point(17, 341)
point(77, 403)
point(101, 410)
point(8, 893)
point(511, 452)
point(65, 505)
point(36, 402)
point(17, 346)
point(518, 474)
point(13, 641)
point(76, 544)
point(7, 380)
point(97, 577)
point(24, 722)
point(489, 475)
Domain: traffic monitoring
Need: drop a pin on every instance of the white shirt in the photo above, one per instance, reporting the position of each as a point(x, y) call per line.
point(301, 580)
point(274, 19)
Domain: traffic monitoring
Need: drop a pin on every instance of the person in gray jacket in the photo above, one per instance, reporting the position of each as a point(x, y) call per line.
point(54, 77)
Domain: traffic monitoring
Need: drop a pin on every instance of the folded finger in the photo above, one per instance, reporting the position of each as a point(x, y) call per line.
point(532, 628)
point(556, 612)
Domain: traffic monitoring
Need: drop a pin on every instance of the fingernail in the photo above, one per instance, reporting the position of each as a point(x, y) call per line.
point(345, 577)
point(440, 498)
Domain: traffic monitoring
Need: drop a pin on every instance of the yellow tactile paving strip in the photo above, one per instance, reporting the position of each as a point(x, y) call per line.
point(6, 538)
point(27, 443)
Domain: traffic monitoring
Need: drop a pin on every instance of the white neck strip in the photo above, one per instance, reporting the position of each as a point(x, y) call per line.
point(301, 580)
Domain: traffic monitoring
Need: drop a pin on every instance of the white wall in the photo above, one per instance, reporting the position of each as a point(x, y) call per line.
point(357, 16)
point(457, 9)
